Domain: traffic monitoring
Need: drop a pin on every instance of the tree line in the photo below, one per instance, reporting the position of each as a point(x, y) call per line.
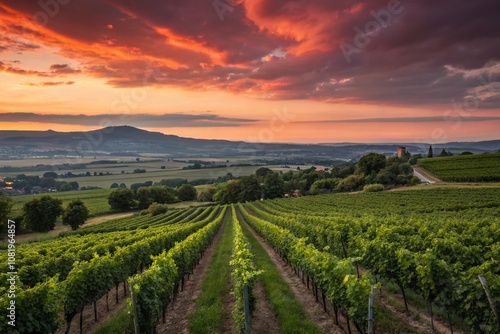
point(40, 214)
point(124, 199)
point(373, 172)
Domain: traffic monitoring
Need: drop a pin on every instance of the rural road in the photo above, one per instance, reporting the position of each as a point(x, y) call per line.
point(422, 178)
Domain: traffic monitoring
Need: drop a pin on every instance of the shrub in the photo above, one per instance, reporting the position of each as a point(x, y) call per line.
point(206, 195)
point(371, 188)
point(414, 181)
point(157, 209)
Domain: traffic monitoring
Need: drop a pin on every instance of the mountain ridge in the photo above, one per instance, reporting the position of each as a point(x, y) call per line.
point(131, 139)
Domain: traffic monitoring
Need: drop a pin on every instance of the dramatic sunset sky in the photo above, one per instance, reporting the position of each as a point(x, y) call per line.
point(255, 70)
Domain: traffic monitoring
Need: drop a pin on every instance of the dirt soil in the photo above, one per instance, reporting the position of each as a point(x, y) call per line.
point(423, 324)
point(89, 325)
point(105, 218)
point(263, 319)
point(427, 174)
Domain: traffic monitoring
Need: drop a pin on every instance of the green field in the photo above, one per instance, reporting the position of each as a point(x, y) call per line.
point(464, 168)
point(95, 200)
point(123, 171)
point(155, 174)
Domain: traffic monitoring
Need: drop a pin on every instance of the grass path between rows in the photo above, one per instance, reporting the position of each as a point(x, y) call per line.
point(212, 313)
point(289, 312)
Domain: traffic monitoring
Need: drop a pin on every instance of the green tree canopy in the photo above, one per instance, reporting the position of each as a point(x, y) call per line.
point(274, 186)
point(322, 184)
point(250, 189)
point(157, 209)
point(371, 163)
point(228, 192)
point(163, 195)
point(206, 195)
point(5, 207)
point(52, 175)
point(186, 192)
point(75, 214)
point(40, 214)
point(143, 197)
point(263, 171)
point(121, 199)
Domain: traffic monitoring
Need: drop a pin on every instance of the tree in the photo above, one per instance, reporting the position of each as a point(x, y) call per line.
point(40, 214)
point(274, 186)
point(250, 189)
point(227, 192)
point(406, 169)
point(351, 183)
point(74, 185)
point(52, 175)
point(121, 199)
point(162, 194)
point(114, 185)
point(319, 185)
point(47, 182)
point(414, 159)
point(64, 186)
point(5, 207)
point(206, 195)
point(371, 163)
point(430, 155)
point(263, 171)
point(75, 214)
point(143, 196)
point(444, 153)
point(186, 192)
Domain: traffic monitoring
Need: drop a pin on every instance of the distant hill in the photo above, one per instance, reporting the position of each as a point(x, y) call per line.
point(127, 139)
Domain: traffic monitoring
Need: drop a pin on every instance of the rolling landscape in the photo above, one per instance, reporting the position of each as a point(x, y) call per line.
point(237, 167)
point(126, 140)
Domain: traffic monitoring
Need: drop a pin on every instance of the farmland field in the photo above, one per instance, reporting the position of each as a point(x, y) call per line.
point(96, 200)
point(466, 168)
point(156, 174)
point(104, 174)
point(430, 244)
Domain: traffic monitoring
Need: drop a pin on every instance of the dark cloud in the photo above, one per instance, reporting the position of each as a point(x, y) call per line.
point(49, 83)
point(144, 120)
point(56, 70)
point(9, 43)
point(430, 119)
point(61, 69)
point(410, 58)
point(20, 71)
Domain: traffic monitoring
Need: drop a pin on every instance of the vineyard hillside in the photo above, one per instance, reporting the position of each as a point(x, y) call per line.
point(464, 168)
